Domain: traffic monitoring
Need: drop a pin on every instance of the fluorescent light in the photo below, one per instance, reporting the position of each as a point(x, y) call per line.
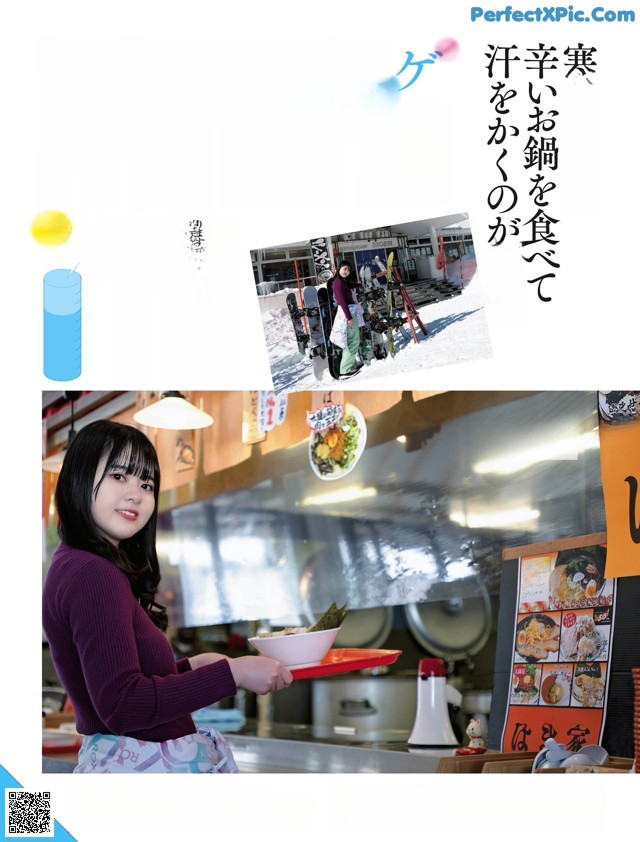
point(500, 517)
point(343, 495)
point(561, 449)
point(173, 412)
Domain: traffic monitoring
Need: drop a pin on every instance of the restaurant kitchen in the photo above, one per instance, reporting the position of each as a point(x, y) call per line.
point(418, 536)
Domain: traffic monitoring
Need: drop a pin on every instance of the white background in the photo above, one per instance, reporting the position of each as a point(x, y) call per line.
point(135, 117)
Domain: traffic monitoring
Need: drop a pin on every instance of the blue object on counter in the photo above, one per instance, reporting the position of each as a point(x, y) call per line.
point(224, 719)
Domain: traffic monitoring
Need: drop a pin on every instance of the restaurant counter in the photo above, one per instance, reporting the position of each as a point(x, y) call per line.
point(278, 748)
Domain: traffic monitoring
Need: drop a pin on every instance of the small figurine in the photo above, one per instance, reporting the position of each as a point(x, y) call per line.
point(476, 734)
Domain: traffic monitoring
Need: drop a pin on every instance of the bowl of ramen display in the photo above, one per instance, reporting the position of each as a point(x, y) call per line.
point(537, 638)
point(577, 578)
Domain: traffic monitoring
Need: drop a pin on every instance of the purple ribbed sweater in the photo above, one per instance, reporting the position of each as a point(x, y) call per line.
point(343, 295)
point(116, 665)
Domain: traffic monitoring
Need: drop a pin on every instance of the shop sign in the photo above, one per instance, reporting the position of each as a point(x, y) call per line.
point(250, 432)
point(562, 644)
point(620, 467)
point(325, 416)
point(272, 410)
point(350, 245)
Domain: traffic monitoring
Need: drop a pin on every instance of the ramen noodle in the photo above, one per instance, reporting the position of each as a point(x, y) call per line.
point(536, 639)
point(589, 690)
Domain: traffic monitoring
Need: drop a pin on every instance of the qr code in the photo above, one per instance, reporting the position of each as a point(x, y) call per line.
point(27, 813)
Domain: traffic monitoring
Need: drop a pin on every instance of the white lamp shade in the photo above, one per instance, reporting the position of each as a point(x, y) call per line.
point(173, 413)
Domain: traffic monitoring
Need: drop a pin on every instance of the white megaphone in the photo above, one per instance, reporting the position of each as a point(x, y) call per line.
point(432, 727)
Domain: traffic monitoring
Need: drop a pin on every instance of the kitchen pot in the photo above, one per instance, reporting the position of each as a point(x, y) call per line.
point(455, 621)
point(365, 628)
point(364, 708)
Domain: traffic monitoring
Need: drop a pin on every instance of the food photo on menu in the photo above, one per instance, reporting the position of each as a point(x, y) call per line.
point(538, 637)
point(555, 689)
point(525, 684)
point(589, 686)
point(577, 579)
point(583, 638)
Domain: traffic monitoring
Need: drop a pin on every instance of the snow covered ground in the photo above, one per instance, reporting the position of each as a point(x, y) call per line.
point(457, 332)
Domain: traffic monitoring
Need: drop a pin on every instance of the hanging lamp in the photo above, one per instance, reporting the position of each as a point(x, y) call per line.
point(173, 412)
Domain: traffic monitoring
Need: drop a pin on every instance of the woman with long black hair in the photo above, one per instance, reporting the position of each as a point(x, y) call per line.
point(132, 699)
point(349, 319)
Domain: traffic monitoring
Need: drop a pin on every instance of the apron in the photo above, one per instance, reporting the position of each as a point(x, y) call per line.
point(338, 333)
point(206, 751)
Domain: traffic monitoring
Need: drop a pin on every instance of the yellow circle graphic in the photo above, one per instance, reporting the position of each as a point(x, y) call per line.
point(51, 228)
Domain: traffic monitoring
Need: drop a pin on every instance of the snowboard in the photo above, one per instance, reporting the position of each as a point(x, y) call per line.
point(317, 342)
point(327, 313)
point(377, 323)
point(322, 254)
point(366, 334)
point(302, 338)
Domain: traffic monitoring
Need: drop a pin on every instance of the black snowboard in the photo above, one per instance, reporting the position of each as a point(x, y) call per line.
point(302, 338)
point(317, 343)
point(334, 353)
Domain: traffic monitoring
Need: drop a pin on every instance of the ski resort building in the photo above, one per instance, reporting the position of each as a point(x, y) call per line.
point(423, 251)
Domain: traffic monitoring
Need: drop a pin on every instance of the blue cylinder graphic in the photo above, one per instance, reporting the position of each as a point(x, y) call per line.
point(62, 324)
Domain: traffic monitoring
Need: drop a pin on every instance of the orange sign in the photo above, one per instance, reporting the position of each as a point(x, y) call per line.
point(620, 466)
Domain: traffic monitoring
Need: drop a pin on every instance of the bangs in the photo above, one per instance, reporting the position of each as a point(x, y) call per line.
point(134, 454)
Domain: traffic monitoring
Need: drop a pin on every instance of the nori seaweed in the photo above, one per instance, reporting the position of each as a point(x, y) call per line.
point(332, 618)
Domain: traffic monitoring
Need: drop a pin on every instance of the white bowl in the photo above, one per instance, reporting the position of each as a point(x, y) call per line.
point(296, 650)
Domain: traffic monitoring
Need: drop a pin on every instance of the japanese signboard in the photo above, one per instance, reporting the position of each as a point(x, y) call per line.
point(620, 466)
point(562, 644)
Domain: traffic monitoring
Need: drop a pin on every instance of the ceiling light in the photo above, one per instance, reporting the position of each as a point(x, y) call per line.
point(173, 412)
point(401, 439)
point(561, 449)
point(351, 492)
point(500, 517)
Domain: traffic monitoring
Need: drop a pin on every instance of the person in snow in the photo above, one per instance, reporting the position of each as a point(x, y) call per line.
point(349, 319)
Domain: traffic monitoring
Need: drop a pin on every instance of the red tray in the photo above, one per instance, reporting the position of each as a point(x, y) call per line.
point(348, 660)
point(60, 748)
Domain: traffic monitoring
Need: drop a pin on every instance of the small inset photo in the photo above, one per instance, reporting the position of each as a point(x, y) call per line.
point(367, 304)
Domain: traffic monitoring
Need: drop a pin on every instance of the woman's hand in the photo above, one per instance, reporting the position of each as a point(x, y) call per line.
point(259, 674)
point(205, 658)
point(350, 323)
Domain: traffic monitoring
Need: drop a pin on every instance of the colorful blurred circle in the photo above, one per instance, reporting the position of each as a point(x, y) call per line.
point(51, 228)
point(449, 48)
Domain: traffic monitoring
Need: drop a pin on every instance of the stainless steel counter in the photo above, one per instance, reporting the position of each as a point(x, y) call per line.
point(278, 748)
point(269, 755)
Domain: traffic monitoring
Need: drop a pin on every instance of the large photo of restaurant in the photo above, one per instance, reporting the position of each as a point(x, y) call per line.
point(465, 534)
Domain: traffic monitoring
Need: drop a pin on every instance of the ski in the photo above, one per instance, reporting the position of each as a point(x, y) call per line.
point(296, 313)
point(317, 342)
point(388, 273)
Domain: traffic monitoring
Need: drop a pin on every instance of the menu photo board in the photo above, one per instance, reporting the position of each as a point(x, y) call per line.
point(562, 639)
